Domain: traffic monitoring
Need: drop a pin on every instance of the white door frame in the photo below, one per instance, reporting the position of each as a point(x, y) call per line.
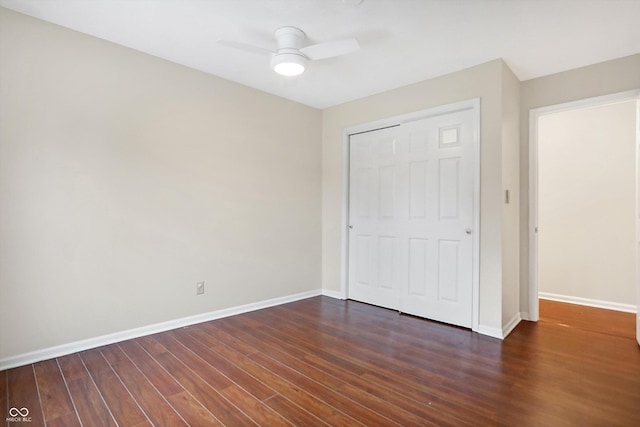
point(534, 115)
point(471, 104)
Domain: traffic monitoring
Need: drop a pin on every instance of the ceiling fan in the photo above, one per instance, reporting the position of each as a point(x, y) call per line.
point(290, 58)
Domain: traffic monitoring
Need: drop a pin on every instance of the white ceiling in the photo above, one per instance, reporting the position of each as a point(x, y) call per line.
point(403, 41)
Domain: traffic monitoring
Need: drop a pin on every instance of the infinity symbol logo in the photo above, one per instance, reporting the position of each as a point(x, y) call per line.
point(14, 412)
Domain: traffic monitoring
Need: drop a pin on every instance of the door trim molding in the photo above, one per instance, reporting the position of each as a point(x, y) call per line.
point(470, 104)
point(534, 114)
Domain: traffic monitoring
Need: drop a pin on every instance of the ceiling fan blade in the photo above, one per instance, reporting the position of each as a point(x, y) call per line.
point(330, 49)
point(245, 47)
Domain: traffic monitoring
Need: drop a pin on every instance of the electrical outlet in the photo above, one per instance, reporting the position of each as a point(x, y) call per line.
point(199, 288)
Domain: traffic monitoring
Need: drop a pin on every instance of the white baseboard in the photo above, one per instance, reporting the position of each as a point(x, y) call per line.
point(74, 347)
point(506, 329)
point(490, 332)
point(500, 333)
point(609, 305)
point(333, 294)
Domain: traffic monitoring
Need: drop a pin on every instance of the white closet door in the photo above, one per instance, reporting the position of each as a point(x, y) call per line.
point(411, 217)
point(373, 239)
point(439, 165)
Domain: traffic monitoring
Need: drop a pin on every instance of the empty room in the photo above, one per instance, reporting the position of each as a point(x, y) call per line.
point(319, 212)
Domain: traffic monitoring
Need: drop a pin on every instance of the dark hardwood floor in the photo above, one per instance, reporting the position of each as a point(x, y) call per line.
point(327, 362)
point(597, 320)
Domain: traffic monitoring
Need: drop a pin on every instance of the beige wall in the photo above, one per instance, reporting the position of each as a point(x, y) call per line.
point(609, 77)
point(510, 210)
point(586, 203)
point(484, 81)
point(125, 179)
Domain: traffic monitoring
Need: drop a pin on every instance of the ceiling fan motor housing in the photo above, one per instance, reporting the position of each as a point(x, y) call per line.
point(289, 43)
point(289, 38)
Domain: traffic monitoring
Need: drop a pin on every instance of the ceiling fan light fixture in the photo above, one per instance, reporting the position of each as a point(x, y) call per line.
point(288, 64)
point(291, 56)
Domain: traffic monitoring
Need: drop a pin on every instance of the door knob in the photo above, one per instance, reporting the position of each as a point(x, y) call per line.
point(468, 231)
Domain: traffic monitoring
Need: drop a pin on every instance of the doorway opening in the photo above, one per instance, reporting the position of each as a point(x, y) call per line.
point(583, 226)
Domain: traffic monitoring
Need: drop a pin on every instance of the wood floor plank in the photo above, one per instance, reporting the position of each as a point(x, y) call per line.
point(352, 385)
point(412, 415)
point(156, 407)
point(366, 416)
point(431, 407)
point(151, 346)
point(72, 367)
point(55, 399)
point(70, 419)
point(214, 377)
point(90, 406)
point(184, 403)
point(213, 330)
point(160, 378)
point(23, 393)
point(292, 412)
point(205, 348)
point(246, 392)
point(292, 392)
point(260, 413)
point(192, 410)
point(89, 403)
point(180, 368)
point(124, 408)
point(113, 355)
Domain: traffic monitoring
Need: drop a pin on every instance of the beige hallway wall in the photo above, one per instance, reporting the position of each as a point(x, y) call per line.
point(587, 203)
